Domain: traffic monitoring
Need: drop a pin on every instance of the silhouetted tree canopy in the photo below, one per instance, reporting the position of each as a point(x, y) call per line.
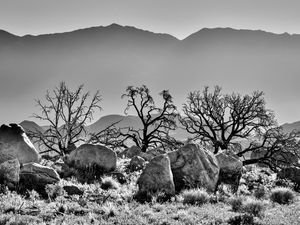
point(224, 119)
point(66, 112)
point(156, 122)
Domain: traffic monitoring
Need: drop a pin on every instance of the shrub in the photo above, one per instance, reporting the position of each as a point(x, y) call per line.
point(254, 207)
point(260, 192)
point(195, 196)
point(142, 197)
point(54, 190)
point(244, 219)
point(109, 183)
point(236, 203)
point(282, 195)
point(284, 183)
point(255, 178)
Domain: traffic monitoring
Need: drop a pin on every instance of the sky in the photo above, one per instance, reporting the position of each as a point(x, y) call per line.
point(176, 17)
point(179, 18)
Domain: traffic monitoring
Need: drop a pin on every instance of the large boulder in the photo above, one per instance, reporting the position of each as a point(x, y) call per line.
point(10, 171)
point(292, 173)
point(35, 176)
point(137, 163)
point(91, 156)
point(231, 169)
point(193, 166)
point(157, 177)
point(14, 143)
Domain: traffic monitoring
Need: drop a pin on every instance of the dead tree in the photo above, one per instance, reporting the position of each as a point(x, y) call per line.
point(223, 119)
point(220, 118)
point(65, 113)
point(156, 123)
point(273, 148)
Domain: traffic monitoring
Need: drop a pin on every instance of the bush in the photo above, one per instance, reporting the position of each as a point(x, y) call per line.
point(142, 197)
point(54, 190)
point(244, 219)
point(109, 183)
point(255, 178)
point(260, 192)
point(284, 183)
point(253, 207)
point(282, 195)
point(195, 196)
point(236, 203)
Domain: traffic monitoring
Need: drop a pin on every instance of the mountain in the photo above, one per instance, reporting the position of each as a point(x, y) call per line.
point(111, 58)
point(31, 126)
point(130, 121)
point(289, 127)
point(122, 121)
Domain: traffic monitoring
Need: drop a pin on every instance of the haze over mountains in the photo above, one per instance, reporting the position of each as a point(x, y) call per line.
point(113, 57)
point(134, 122)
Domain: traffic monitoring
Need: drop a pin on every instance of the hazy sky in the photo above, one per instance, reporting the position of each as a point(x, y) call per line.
point(177, 17)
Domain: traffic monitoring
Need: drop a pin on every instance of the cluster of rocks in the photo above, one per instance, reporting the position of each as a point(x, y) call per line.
point(20, 166)
point(19, 161)
point(190, 166)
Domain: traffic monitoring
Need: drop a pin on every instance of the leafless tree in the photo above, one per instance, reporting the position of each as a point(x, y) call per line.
point(156, 122)
point(66, 112)
point(109, 136)
point(223, 119)
point(273, 148)
point(220, 118)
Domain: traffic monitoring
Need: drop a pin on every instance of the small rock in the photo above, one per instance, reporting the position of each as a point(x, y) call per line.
point(73, 190)
point(137, 163)
point(130, 152)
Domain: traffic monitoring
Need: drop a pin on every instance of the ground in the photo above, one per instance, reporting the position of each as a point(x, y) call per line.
point(114, 203)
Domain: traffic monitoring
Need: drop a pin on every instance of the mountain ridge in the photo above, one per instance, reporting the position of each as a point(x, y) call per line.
point(116, 25)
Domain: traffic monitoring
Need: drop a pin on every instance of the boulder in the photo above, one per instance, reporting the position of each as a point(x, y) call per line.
point(157, 177)
point(14, 143)
point(193, 167)
point(35, 176)
point(137, 163)
point(231, 169)
point(150, 154)
point(91, 156)
point(62, 168)
point(292, 173)
point(73, 190)
point(10, 171)
point(130, 152)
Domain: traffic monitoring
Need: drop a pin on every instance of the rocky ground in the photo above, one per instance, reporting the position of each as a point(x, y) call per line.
point(94, 185)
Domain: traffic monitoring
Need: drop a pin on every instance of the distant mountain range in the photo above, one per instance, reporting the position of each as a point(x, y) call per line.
point(289, 127)
point(133, 121)
point(113, 57)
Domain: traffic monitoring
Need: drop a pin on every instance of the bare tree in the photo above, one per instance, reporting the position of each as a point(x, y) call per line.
point(273, 148)
point(220, 118)
point(156, 122)
point(109, 136)
point(223, 119)
point(66, 112)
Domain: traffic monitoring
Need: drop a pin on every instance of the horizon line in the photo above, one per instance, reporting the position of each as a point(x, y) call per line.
point(142, 29)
